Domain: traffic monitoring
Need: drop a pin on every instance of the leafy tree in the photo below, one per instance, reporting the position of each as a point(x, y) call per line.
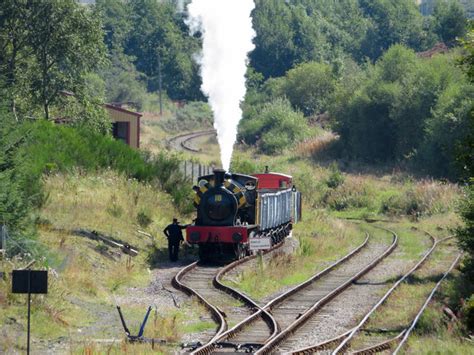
point(392, 22)
point(274, 51)
point(407, 109)
point(450, 20)
point(14, 202)
point(66, 44)
point(14, 36)
point(160, 40)
point(310, 87)
point(465, 234)
point(116, 23)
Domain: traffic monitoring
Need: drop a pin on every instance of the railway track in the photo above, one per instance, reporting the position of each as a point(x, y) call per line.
point(204, 282)
point(375, 343)
point(311, 303)
point(183, 141)
point(248, 335)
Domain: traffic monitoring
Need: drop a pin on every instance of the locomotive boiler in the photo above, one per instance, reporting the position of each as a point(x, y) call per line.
point(235, 209)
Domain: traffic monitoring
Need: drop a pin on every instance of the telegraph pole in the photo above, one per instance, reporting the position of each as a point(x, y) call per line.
point(159, 84)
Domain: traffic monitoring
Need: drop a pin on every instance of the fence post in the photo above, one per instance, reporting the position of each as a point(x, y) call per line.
point(185, 172)
point(192, 171)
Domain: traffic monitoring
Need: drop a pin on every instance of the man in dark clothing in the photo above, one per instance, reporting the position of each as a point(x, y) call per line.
point(175, 237)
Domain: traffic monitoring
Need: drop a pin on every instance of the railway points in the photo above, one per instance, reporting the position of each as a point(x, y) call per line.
point(360, 341)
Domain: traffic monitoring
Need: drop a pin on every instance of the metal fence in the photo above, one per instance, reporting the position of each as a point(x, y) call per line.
point(192, 170)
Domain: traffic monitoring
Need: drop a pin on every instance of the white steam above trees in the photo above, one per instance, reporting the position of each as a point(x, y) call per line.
point(227, 34)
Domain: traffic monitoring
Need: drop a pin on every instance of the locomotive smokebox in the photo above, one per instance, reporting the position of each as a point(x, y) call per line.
point(219, 175)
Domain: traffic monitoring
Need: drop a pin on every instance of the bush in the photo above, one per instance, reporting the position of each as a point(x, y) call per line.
point(468, 313)
point(275, 127)
point(188, 117)
point(335, 178)
point(465, 234)
point(407, 109)
point(310, 87)
point(144, 219)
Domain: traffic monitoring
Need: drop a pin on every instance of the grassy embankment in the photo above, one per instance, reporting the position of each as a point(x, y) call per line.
point(95, 183)
point(87, 277)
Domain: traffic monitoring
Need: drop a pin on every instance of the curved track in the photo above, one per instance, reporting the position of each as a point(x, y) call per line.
point(298, 310)
point(248, 336)
point(183, 141)
point(204, 282)
point(341, 343)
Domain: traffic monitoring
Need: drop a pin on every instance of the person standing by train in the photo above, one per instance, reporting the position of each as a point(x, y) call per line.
point(175, 237)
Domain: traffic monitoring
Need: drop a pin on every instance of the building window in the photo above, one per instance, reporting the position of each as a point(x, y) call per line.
point(121, 131)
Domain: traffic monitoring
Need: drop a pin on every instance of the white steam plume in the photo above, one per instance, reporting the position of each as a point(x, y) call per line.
point(227, 32)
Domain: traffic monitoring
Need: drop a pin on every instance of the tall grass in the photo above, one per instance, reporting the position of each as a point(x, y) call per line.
point(320, 239)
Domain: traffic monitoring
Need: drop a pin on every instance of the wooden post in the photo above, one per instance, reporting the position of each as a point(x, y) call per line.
point(192, 171)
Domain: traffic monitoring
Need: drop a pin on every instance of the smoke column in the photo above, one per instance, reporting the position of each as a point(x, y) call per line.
point(227, 32)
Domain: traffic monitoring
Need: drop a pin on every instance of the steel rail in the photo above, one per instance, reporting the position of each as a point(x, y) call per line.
point(347, 336)
point(413, 324)
point(187, 137)
point(270, 345)
point(344, 344)
point(264, 311)
point(387, 344)
point(217, 314)
point(184, 143)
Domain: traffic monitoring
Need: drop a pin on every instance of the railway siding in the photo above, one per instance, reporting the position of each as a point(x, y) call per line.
point(346, 278)
point(355, 338)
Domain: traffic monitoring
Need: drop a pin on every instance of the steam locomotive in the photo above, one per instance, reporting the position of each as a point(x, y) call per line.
point(235, 210)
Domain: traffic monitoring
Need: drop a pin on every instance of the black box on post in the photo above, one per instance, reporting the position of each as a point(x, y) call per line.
point(38, 281)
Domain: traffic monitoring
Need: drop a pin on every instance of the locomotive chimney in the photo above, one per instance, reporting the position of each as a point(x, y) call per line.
point(219, 175)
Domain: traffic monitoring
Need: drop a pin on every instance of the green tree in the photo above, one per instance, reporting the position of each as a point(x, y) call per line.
point(450, 20)
point(14, 36)
point(309, 87)
point(407, 109)
point(392, 22)
point(116, 21)
point(160, 40)
point(66, 42)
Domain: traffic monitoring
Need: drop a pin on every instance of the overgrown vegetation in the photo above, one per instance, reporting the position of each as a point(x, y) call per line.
point(34, 149)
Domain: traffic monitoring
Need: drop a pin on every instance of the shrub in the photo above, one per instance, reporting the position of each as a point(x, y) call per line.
point(144, 219)
point(465, 234)
point(335, 178)
point(310, 87)
point(275, 127)
point(188, 117)
point(468, 313)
